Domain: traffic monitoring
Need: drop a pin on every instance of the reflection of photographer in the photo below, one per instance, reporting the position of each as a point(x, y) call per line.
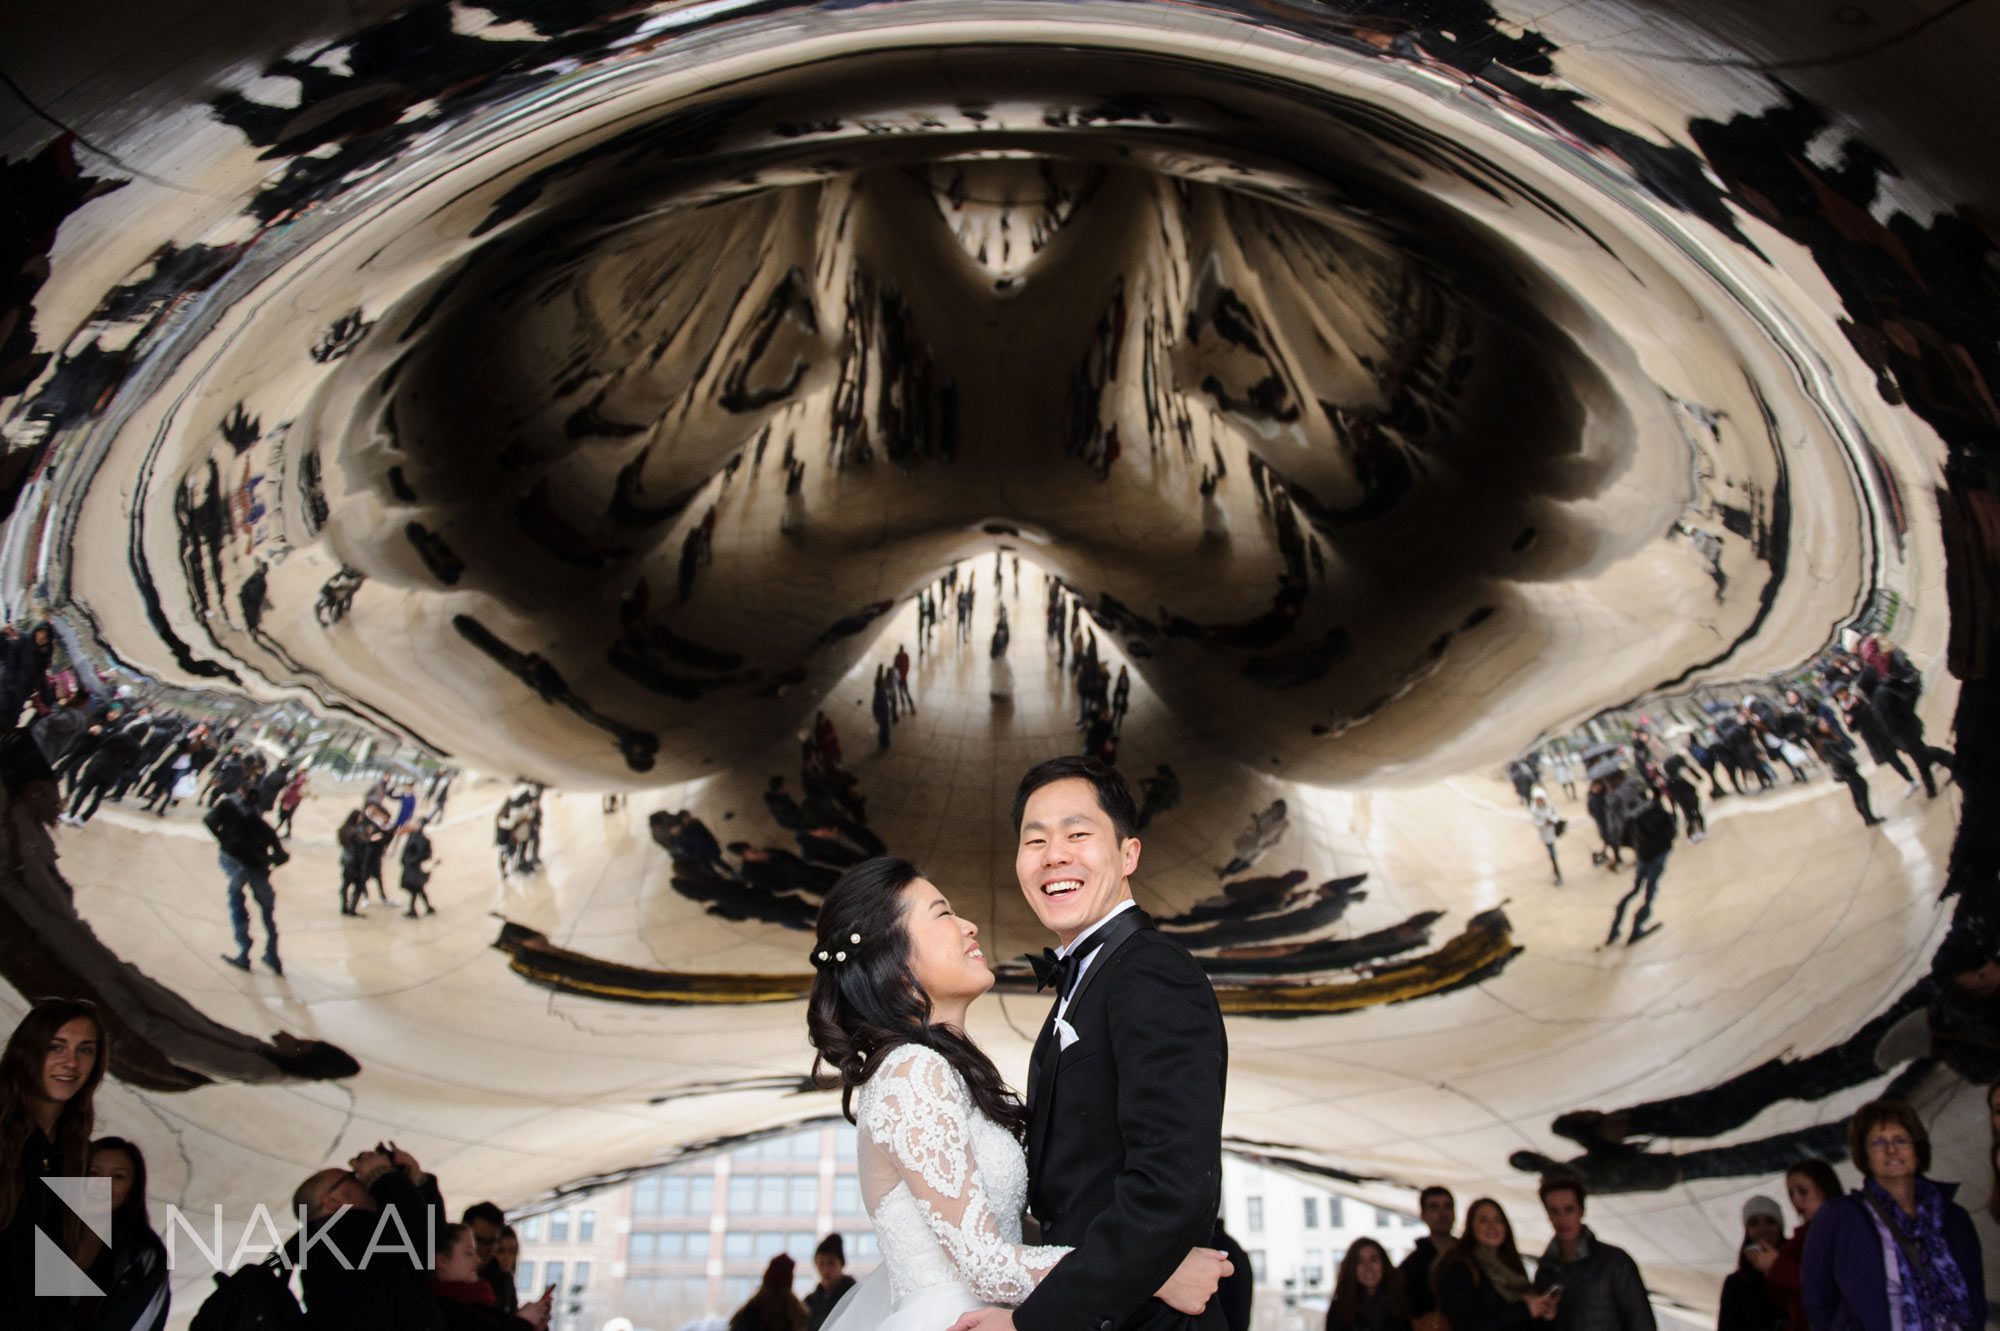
point(247, 849)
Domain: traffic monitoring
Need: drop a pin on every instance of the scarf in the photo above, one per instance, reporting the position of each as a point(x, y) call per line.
point(1510, 1284)
point(1934, 1296)
point(470, 1291)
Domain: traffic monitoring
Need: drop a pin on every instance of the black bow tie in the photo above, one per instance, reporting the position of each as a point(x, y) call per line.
point(1061, 971)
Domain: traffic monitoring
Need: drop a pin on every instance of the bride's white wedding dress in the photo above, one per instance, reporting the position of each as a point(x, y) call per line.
point(945, 1186)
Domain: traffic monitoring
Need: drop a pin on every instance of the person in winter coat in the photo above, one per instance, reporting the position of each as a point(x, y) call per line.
point(132, 1272)
point(1650, 833)
point(1897, 1253)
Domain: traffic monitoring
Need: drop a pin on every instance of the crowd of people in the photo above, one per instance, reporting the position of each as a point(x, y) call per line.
point(1643, 794)
point(1896, 1253)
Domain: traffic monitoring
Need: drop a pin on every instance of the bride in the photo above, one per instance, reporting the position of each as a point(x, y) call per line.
point(942, 1168)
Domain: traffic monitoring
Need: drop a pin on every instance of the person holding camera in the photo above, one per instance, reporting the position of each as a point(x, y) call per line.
point(366, 1246)
point(247, 849)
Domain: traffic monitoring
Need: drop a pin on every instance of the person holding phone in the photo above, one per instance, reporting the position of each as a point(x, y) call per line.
point(1601, 1287)
point(465, 1300)
point(1746, 1300)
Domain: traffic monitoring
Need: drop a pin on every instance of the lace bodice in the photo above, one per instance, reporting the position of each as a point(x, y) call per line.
point(944, 1184)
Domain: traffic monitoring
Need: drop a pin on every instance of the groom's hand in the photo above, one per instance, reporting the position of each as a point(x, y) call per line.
point(1193, 1282)
point(986, 1319)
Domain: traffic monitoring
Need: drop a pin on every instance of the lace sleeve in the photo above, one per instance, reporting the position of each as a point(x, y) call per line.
point(921, 1118)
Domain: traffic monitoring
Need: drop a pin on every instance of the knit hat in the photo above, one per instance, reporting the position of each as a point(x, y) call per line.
point(1764, 1206)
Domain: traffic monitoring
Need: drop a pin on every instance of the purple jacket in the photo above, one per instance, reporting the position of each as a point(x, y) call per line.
point(1844, 1282)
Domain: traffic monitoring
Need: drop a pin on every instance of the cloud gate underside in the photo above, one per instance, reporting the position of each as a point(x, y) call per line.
point(1343, 418)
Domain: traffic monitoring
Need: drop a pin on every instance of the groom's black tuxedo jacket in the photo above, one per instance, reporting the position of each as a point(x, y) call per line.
point(1125, 1135)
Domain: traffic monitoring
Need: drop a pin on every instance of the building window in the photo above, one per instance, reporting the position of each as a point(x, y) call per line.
point(531, 1228)
point(701, 1197)
point(553, 1275)
point(844, 1141)
point(1336, 1214)
point(805, 1146)
point(1312, 1213)
point(582, 1277)
point(864, 1245)
point(1314, 1270)
point(1257, 1265)
point(644, 1248)
point(736, 1245)
point(804, 1196)
point(524, 1278)
point(1381, 1218)
point(559, 1227)
point(771, 1195)
point(586, 1226)
point(770, 1243)
point(846, 1195)
point(697, 1246)
point(1253, 1210)
point(646, 1195)
point(742, 1194)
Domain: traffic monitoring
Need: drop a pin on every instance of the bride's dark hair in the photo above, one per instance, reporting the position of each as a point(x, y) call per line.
point(866, 1000)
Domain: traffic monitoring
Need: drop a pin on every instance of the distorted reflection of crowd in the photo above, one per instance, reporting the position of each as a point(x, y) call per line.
point(1648, 787)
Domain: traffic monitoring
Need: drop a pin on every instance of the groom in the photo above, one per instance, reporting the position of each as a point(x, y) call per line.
point(1126, 1082)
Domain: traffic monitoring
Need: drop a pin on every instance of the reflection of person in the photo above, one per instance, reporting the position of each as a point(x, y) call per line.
point(1548, 826)
point(1482, 1284)
point(417, 870)
point(1747, 1304)
point(1897, 1253)
point(247, 849)
point(1368, 1293)
point(1651, 837)
point(942, 1171)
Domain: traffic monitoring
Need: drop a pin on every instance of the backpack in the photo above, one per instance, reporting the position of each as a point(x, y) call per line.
point(252, 1298)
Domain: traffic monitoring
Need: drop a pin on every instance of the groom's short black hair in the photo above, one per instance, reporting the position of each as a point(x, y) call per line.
point(1112, 796)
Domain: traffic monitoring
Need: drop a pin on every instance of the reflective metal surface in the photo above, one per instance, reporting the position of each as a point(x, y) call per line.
point(588, 400)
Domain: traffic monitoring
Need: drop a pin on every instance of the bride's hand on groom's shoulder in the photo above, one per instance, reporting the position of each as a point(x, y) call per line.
point(986, 1319)
point(1193, 1282)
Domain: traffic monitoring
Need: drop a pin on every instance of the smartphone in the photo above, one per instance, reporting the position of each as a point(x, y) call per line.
point(548, 1294)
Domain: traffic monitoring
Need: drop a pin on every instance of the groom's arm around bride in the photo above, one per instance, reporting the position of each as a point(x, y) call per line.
point(1126, 1082)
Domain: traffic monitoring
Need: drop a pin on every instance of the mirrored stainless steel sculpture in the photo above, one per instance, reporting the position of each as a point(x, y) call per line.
point(572, 408)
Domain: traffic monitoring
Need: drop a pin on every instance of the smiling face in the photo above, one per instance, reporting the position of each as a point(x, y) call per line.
point(1070, 863)
point(1892, 1153)
point(1488, 1226)
point(1368, 1269)
point(944, 948)
point(72, 1054)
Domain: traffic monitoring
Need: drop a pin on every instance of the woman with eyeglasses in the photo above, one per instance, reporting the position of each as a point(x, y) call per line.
point(1896, 1254)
